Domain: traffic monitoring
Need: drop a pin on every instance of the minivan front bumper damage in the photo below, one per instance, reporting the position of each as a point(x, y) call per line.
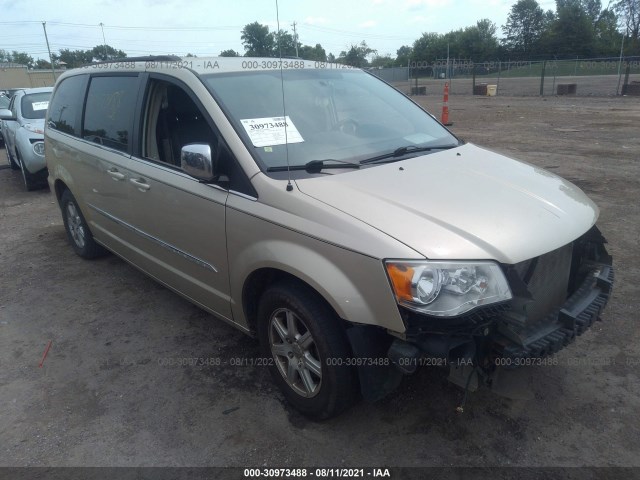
point(557, 297)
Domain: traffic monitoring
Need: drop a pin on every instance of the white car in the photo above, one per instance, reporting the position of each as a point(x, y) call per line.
point(23, 133)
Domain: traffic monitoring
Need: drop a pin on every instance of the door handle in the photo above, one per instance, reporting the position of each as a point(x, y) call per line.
point(115, 174)
point(142, 185)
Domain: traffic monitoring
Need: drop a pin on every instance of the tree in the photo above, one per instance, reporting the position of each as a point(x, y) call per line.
point(524, 28)
point(572, 33)
point(229, 53)
point(430, 47)
point(608, 37)
point(629, 11)
point(105, 52)
point(284, 44)
point(357, 55)
point(403, 56)
point(72, 58)
point(22, 58)
point(42, 64)
point(316, 53)
point(257, 40)
point(382, 61)
point(478, 43)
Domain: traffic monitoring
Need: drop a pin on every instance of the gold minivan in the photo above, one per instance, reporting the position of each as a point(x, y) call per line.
point(321, 210)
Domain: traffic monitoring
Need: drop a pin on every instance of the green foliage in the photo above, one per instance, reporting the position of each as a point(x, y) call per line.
point(258, 41)
point(316, 53)
point(525, 27)
point(403, 56)
point(357, 55)
point(383, 61)
point(629, 12)
point(229, 53)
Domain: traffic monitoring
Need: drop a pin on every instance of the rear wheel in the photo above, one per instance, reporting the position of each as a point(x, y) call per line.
point(78, 232)
point(307, 350)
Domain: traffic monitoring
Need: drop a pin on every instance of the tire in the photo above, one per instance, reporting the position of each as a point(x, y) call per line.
point(78, 232)
point(30, 181)
point(306, 347)
point(12, 162)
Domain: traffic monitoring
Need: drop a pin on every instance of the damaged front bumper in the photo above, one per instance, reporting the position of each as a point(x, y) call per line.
point(557, 297)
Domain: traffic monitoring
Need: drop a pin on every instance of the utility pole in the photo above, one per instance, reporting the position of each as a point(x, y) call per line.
point(104, 42)
point(295, 38)
point(44, 27)
point(620, 62)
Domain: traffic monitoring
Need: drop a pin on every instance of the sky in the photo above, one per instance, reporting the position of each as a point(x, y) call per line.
point(205, 28)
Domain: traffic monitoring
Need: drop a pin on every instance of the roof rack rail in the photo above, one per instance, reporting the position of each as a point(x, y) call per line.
point(147, 58)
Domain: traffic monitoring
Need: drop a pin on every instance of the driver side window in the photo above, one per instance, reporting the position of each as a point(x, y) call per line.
point(173, 120)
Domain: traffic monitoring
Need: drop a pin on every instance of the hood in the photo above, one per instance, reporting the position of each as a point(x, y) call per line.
point(461, 204)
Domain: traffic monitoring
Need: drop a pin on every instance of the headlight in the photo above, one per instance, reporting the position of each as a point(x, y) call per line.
point(33, 128)
point(38, 147)
point(445, 289)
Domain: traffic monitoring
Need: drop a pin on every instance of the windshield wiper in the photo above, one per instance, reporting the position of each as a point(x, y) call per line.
point(399, 152)
point(315, 166)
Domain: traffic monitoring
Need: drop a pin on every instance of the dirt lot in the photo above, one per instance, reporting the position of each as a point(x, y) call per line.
point(108, 394)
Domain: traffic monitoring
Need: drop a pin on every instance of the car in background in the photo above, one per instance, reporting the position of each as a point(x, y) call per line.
point(4, 103)
point(23, 132)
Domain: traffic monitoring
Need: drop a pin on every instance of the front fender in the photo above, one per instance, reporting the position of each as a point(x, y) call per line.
point(32, 161)
point(354, 284)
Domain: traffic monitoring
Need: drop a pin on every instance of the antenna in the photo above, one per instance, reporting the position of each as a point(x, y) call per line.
point(284, 110)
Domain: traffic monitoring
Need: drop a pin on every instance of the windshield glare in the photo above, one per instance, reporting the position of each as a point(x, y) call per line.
point(346, 115)
point(34, 106)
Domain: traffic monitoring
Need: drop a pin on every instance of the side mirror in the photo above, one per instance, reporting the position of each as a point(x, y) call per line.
point(6, 114)
point(195, 160)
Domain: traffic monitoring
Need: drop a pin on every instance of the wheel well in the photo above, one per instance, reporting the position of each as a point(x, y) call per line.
point(60, 187)
point(259, 281)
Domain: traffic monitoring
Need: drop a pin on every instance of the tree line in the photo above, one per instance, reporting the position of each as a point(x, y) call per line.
point(582, 28)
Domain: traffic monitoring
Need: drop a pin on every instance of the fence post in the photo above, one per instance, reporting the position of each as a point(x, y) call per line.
point(626, 79)
point(499, 72)
point(473, 86)
point(544, 65)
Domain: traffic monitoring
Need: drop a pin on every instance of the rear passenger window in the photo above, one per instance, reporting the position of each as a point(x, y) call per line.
point(108, 116)
point(66, 104)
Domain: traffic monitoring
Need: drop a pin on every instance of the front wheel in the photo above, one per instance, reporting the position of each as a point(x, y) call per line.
point(78, 232)
point(30, 180)
point(307, 350)
point(12, 162)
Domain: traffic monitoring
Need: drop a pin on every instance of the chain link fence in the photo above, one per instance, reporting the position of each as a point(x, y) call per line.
point(581, 77)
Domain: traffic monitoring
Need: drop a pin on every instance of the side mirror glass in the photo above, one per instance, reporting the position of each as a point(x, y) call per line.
point(195, 160)
point(6, 114)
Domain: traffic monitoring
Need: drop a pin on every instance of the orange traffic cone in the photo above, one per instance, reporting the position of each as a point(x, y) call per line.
point(445, 107)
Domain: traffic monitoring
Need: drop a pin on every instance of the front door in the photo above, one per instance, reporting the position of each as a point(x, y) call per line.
point(180, 221)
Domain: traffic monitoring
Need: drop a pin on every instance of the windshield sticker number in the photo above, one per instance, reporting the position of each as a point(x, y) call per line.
point(270, 131)
point(39, 105)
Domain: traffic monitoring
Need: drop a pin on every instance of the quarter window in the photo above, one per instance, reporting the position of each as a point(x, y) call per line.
point(66, 104)
point(108, 117)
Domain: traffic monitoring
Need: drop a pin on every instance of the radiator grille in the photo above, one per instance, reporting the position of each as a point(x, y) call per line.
point(547, 279)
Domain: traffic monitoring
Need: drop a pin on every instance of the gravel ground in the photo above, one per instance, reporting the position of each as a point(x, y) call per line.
point(111, 392)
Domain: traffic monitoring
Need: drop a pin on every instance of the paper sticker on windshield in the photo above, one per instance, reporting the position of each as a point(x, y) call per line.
point(39, 105)
point(418, 138)
point(269, 131)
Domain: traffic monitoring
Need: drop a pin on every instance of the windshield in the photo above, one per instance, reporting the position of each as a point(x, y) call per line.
point(345, 115)
point(4, 101)
point(35, 105)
